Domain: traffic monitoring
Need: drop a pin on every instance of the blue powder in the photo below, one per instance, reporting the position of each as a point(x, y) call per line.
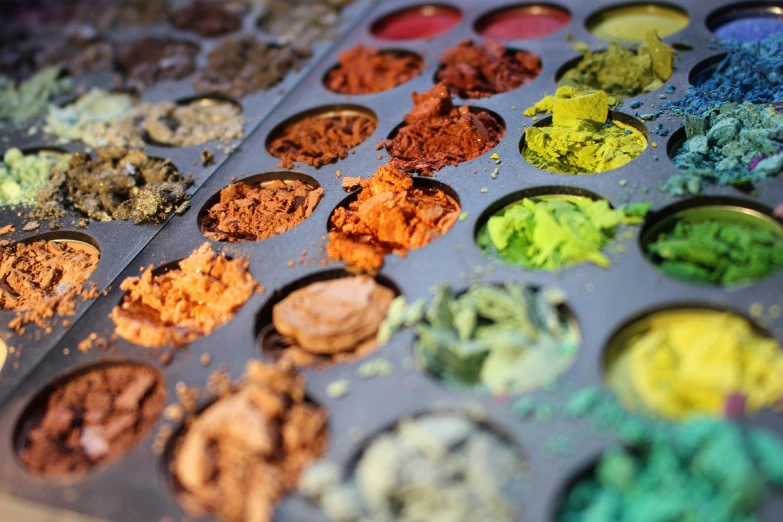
point(636, 104)
point(750, 29)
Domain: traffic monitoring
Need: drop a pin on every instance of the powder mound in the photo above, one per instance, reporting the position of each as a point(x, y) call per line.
point(76, 52)
point(390, 215)
point(479, 71)
point(318, 140)
point(241, 66)
point(114, 15)
point(33, 273)
point(329, 321)
point(728, 144)
point(20, 102)
point(436, 134)
point(89, 118)
point(188, 125)
point(252, 213)
point(181, 305)
point(149, 60)
point(303, 22)
point(117, 184)
point(22, 176)
point(93, 419)
point(243, 453)
point(365, 70)
point(443, 467)
point(207, 19)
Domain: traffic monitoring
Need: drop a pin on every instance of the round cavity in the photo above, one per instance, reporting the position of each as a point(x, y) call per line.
point(355, 310)
point(151, 59)
point(210, 19)
point(208, 117)
point(631, 22)
point(89, 418)
point(412, 23)
point(715, 241)
point(650, 363)
point(522, 22)
point(364, 70)
point(322, 135)
point(747, 21)
point(46, 267)
point(623, 120)
point(259, 207)
point(702, 71)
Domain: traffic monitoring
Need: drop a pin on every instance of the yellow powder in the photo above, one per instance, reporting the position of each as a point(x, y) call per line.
point(632, 22)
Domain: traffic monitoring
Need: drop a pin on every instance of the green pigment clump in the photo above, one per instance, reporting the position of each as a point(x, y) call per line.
point(21, 177)
point(555, 232)
point(718, 251)
point(506, 339)
point(731, 143)
point(89, 118)
point(19, 103)
point(581, 140)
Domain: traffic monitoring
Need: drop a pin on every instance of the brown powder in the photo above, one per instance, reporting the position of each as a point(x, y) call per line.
point(252, 213)
point(390, 215)
point(247, 450)
point(479, 71)
point(149, 60)
point(365, 70)
point(436, 134)
point(328, 321)
point(318, 140)
point(185, 303)
point(93, 419)
point(207, 19)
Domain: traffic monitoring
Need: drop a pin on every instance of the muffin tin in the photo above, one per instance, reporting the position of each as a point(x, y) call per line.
point(137, 487)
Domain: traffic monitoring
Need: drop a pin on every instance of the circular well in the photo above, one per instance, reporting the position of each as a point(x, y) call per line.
point(372, 75)
point(202, 101)
point(702, 71)
point(412, 23)
point(746, 22)
point(523, 21)
point(631, 22)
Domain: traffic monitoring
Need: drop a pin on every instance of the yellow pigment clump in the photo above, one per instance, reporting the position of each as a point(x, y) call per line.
point(686, 363)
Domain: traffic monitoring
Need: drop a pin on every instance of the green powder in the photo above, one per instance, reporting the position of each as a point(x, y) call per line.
point(21, 177)
point(718, 251)
point(89, 118)
point(555, 232)
point(19, 103)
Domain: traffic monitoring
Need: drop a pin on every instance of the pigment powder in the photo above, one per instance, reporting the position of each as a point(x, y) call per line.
point(20, 102)
point(200, 121)
point(246, 450)
point(555, 232)
point(728, 144)
point(22, 176)
point(115, 15)
point(478, 71)
point(719, 250)
point(247, 212)
point(302, 22)
point(630, 22)
point(436, 134)
point(149, 60)
point(522, 22)
point(389, 215)
point(439, 466)
point(116, 184)
point(241, 66)
point(581, 138)
point(32, 274)
point(750, 28)
point(690, 362)
point(365, 70)
point(506, 339)
point(94, 418)
point(320, 139)
point(88, 117)
point(200, 295)
point(207, 19)
point(416, 23)
point(330, 321)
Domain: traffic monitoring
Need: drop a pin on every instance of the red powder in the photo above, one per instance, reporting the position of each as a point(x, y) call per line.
point(522, 22)
point(418, 22)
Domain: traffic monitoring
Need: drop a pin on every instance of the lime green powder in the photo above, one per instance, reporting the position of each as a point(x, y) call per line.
point(21, 177)
point(20, 102)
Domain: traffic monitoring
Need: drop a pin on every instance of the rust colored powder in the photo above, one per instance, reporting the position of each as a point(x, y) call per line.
point(479, 71)
point(149, 60)
point(185, 303)
point(436, 134)
point(390, 215)
point(93, 419)
point(318, 140)
point(207, 19)
point(247, 450)
point(36, 272)
point(364, 70)
point(252, 213)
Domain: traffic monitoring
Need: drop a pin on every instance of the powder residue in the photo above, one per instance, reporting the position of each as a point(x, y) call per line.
point(478, 71)
point(365, 70)
point(318, 140)
point(302, 22)
point(93, 419)
point(241, 66)
point(254, 212)
point(389, 215)
point(20, 102)
point(439, 466)
point(728, 144)
point(243, 453)
point(22, 176)
point(200, 295)
point(149, 60)
point(555, 232)
point(329, 321)
point(685, 363)
point(436, 134)
point(582, 139)
point(88, 118)
point(197, 122)
point(207, 19)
